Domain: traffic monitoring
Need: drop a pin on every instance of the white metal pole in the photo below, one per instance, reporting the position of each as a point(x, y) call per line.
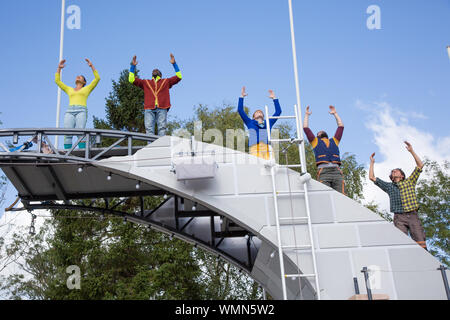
point(302, 146)
point(297, 85)
point(61, 46)
point(448, 51)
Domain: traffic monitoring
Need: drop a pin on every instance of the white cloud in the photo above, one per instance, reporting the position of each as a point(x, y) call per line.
point(390, 127)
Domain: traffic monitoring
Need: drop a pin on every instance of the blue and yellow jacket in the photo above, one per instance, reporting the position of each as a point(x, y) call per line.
point(257, 132)
point(326, 150)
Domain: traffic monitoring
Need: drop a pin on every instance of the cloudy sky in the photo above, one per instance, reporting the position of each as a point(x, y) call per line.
point(388, 84)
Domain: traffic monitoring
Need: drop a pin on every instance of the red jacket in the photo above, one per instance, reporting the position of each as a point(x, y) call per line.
point(156, 93)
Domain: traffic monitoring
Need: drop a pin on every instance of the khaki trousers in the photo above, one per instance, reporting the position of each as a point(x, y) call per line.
point(409, 222)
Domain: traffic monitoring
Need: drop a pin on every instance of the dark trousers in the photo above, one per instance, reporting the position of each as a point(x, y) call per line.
point(332, 177)
point(409, 222)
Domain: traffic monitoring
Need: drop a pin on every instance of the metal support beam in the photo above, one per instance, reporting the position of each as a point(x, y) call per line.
point(158, 225)
point(203, 213)
point(249, 253)
point(186, 224)
point(213, 235)
point(147, 215)
point(443, 270)
point(366, 278)
point(141, 199)
point(79, 196)
point(175, 212)
point(355, 282)
point(231, 234)
point(220, 242)
point(52, 178)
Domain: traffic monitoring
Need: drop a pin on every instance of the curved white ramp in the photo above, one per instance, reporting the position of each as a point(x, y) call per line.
point(347, 236)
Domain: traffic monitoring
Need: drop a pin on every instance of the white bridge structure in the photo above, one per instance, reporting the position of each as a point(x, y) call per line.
point(222, 201)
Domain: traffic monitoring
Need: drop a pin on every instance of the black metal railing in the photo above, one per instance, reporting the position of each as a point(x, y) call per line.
point(98, 142)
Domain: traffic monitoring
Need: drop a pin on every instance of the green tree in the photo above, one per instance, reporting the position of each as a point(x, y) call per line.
point(376, 208)
point(433, 193)
point(117, 260)
point(124, 107)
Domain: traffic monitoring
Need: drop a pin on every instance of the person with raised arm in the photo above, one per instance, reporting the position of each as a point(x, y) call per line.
point(327, 152)
point(402, 197)
point(257, 126)
point(76, 114)
point(156, 96)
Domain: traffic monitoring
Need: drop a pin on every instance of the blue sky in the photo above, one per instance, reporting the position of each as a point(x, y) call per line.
point(222, 45)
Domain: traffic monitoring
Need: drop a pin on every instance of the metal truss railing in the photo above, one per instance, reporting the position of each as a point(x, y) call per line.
point(15, 150)
point(176, 228)
point(95, 149)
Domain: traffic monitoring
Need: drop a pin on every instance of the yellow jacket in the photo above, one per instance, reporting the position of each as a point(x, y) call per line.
point(78, 98)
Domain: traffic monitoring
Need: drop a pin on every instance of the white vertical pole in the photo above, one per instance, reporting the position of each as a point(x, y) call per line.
point(448, 51)
point(61, 46)
point(302, 146)
point(297, 85)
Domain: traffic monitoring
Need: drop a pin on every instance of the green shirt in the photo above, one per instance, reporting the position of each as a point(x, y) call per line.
point(402, 195)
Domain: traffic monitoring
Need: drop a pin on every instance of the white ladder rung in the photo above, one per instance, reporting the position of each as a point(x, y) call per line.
point(283, 117)
point(294, 218)
point(291, 140)
point(289, 166)
point(303, 275)
point(297, 247)
point(287, 193)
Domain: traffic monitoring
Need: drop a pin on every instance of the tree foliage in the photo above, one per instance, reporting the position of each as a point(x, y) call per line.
point(124, 107)
point(117, 259)
point(433, 194)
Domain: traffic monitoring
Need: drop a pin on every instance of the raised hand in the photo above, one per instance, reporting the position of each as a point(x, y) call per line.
point(272, 94)
point(172, 59)
point(332, 110)
point(243, 93)
point(308, 112)
point(62, 64)
point(134, 61)
point(89, 62)
point(409, 146)
point(372, 158)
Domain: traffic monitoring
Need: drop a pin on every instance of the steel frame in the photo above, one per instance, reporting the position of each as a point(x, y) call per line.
point(10, 160)
point(93, 136)
point(142, 216)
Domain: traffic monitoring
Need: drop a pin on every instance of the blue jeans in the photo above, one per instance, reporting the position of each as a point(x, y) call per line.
point(160, 117)
point(75, 118)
